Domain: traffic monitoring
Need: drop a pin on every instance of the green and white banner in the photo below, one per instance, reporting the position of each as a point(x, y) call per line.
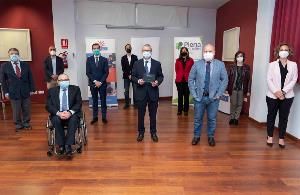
point(194, 45)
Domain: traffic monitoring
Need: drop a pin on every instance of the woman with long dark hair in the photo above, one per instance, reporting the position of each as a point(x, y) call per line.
point(183, 67)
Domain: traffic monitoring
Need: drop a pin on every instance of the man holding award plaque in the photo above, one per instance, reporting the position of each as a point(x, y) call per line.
point(147, 73)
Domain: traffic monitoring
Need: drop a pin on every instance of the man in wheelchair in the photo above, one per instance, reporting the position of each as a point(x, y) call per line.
point(64, 105)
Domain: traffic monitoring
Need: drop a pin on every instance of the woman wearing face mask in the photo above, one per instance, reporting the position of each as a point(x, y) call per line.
point(282, 77)
point(239, 86)
point(183, 67)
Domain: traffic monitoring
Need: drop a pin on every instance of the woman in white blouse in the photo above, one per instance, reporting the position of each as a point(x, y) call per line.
point(282, 77)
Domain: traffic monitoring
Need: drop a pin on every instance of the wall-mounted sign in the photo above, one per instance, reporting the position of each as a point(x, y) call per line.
point(64, 43)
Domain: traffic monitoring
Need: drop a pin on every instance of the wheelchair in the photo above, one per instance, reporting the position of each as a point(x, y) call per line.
point(81, 136)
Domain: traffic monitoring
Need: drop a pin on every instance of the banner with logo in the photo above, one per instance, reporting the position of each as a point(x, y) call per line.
point(194, 45)
point(108, 50)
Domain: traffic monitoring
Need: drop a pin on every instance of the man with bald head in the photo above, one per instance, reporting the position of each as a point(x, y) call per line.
point(207, 82)
point(64, 105)
point(53, 66)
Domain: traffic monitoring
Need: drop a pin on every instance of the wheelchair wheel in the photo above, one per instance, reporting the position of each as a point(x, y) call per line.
point(49, 154)
point(85, 134)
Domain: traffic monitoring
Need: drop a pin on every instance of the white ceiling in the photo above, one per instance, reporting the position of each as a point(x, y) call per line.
point(212, 4)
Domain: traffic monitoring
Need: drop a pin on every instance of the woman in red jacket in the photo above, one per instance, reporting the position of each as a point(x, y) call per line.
point(183, 67)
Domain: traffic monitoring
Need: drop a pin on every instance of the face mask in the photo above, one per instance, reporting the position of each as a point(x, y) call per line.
point(283, 54)
point(52, 53)
point(208, 56)
point(14, 57)
point(183, 54)
point(128, 50)
point(147, 54)
point(96, 52)
point(64, 84)
point(239, 59)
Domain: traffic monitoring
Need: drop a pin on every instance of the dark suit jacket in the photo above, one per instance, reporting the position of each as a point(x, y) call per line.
point(98, 73)
point(126, 67)
point(49, 70)
point(74, 98)
point(17, 88)
point(138, 72)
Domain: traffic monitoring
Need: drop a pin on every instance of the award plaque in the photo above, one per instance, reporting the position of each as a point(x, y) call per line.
point(149, 78)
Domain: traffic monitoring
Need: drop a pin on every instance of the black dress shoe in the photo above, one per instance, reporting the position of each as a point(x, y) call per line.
point(61, 150)
point(104, 120)
point(154, 137)
point(195, 140)
point(179, 113)
point(27, 126)
point(140, 137)
point(69, 150)
point(211, 141)
point(231, 122)
point(19, 128)
point(236, 122)
point(281, 146)
point(186, 113)
point(94, 120)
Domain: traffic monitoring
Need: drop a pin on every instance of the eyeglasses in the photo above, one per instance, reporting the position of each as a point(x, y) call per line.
point(64, 80)
point(52, 49)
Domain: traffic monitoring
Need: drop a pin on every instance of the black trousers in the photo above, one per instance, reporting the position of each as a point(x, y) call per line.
point(126, 91)
point(284, 107)
point(59, 124)
point(152, 108)
point(102, 92)
point(183, 93)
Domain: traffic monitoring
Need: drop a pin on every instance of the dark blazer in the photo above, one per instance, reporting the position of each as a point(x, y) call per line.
point(98, 73)
point(126, 67)
point(18, 88)
point(138, 72)
point(74, 98)
point(246, 76)
point(49, 70)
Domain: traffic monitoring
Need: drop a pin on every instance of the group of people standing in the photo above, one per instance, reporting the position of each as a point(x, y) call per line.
point(206, 80)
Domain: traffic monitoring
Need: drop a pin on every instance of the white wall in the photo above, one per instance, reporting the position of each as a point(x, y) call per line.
point(201, 22)
point(258, 107)
point(64, 28)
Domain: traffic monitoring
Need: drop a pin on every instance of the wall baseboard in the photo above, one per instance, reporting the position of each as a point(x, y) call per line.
point(264, 125)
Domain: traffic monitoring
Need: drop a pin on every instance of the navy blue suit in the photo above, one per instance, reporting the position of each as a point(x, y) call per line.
point(98, 72)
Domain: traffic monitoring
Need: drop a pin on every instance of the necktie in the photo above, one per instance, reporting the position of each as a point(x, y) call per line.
point(97, 60)
point(146, 67)
point(207, 78)
point(64, 104)
point(18, 71)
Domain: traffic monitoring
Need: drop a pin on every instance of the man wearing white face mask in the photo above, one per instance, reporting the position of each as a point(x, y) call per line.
point(147, 74)
point(18, 86)
point(207, 82)
point(65, 112)
point(53, 66)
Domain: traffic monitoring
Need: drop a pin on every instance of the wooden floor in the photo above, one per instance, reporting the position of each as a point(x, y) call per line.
point(114, 163)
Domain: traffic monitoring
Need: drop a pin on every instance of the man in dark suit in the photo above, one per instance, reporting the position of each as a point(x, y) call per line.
point(53, 66)
point(64, 105)
point(97, 73)
point(127, 62)
point(147, 91)
point(18, 86)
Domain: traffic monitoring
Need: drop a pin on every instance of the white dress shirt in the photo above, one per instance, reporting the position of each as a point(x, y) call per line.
point(129, 58)
point(274, 79)
point(61, 92)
